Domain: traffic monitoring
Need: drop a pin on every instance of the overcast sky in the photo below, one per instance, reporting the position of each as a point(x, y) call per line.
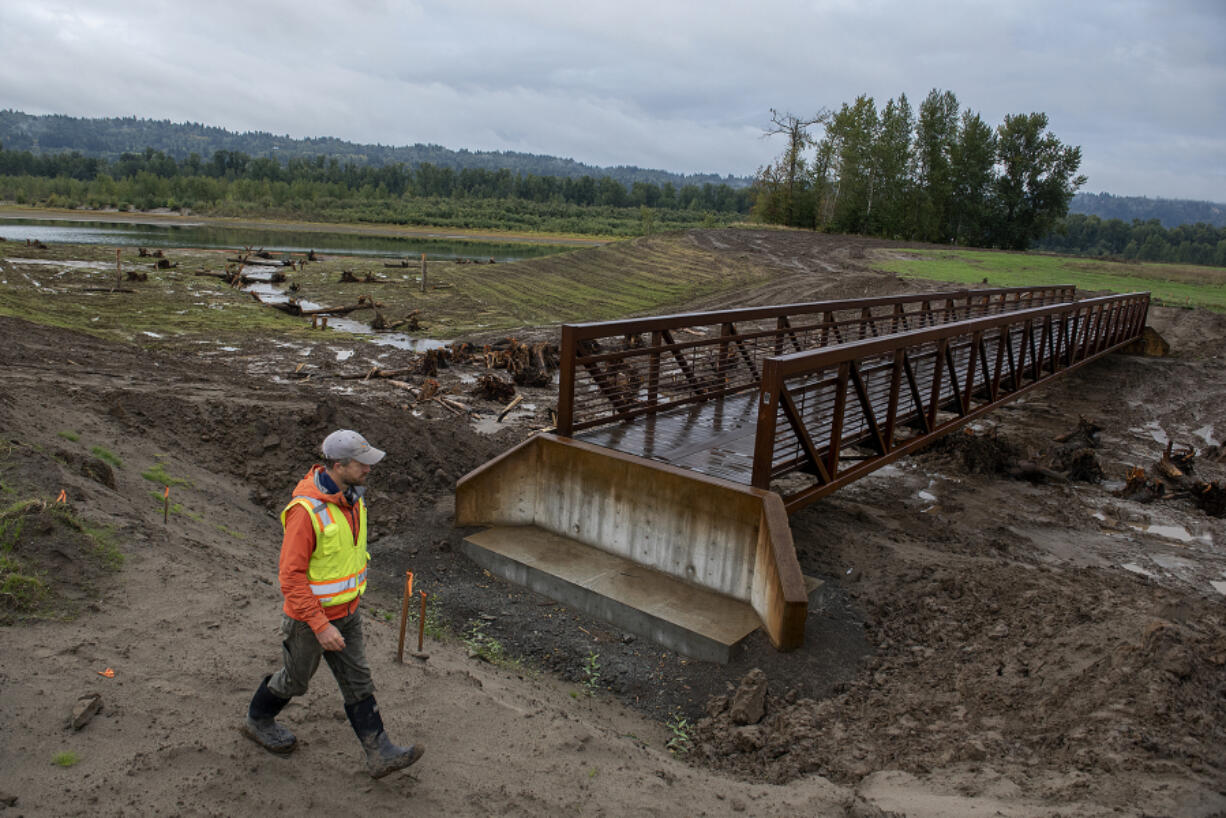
point(1140, 85)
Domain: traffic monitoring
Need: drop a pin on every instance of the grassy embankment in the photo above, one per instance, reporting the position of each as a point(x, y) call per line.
point(64, 286)
point(1171, 284)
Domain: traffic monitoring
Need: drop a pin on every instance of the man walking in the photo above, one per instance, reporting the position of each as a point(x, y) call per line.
point(323, 575)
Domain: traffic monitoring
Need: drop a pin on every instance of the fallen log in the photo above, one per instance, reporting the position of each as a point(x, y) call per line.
point(507, 409)
point(378, 373)
point(406, 386)
point(361, 305)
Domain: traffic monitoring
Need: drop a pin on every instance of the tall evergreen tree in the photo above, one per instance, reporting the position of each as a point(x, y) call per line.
point(853, 131)
point(935, 136)
point(891, 169)
point(971, 164)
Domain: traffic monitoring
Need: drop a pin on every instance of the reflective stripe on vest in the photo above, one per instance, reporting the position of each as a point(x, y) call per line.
point(326, 590)
point(334, 577)
point(319, 509)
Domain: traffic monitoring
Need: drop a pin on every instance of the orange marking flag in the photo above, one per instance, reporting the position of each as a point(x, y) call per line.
point(108, 673)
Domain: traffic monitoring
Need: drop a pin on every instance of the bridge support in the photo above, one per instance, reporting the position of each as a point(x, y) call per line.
point(719, 555)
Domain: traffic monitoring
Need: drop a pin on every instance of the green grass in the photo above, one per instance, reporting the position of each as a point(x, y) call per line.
point(69, 435)
point(175, 508)
point(67, 758)
point(170, 303)
point(1171, 284)
point(646, 275)
point(11, 522)
point(27, 588)
point(105, 455)
point(23, 591)
point(106, 545)
point(157, 474)
point(487, 647)
point(436, 625)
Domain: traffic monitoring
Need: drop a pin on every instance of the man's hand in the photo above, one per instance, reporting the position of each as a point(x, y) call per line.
point(330, 638)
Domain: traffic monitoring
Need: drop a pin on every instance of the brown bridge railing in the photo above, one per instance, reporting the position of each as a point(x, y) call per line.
point(886, 397)
point(613, 371)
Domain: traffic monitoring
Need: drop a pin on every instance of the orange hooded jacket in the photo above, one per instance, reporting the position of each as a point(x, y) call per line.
point(296, 548)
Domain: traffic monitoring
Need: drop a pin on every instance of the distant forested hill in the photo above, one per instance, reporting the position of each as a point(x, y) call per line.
point(110, 138)
point(1170, 212)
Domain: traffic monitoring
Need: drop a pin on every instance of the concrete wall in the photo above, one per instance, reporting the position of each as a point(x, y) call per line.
point(723, 536)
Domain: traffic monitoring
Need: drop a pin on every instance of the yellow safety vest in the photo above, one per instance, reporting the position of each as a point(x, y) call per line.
point(337, 571)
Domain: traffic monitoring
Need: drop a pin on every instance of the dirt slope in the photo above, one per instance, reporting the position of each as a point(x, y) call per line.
point(982, 645)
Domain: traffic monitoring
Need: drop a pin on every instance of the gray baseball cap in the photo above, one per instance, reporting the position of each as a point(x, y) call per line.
point(346, 444)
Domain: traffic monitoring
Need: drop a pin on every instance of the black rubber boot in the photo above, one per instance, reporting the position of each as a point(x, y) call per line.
point(261, 725)
point(382, 757)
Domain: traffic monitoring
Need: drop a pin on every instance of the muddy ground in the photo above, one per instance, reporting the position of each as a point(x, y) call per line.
point(981, 645)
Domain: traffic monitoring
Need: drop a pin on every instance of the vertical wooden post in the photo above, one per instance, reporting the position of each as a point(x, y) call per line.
point(423, 272)
point(118, 269)
point(404, 613)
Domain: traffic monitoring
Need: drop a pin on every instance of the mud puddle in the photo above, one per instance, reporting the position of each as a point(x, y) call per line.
point(270, 293)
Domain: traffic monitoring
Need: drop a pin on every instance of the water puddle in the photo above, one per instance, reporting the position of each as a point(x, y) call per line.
point(1173, 532)
point(489, 424)
point(1220, 587)
point(77, 264)
point(1173, 564)
point(1153, 430)
point(1136, 569)
point(270, 293)
point(1205, 433)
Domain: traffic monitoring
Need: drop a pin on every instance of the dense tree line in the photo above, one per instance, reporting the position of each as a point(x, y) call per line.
point(1169, 212)
point(1140, 240)
point(110, 138)
point(939, 174)
point(233, 183)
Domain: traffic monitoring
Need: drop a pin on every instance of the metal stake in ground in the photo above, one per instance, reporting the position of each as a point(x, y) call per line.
point(404, 613)
point(166, 506)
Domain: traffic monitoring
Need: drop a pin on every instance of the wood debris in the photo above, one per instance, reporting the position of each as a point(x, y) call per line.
point(1173, 479)
point(507, 409)
point(491, 387)
point(348, 277)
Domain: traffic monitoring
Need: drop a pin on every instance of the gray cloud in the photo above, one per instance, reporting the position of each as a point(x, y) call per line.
point(686, 86)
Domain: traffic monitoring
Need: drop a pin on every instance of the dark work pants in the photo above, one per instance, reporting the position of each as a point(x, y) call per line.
point(301, 651)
